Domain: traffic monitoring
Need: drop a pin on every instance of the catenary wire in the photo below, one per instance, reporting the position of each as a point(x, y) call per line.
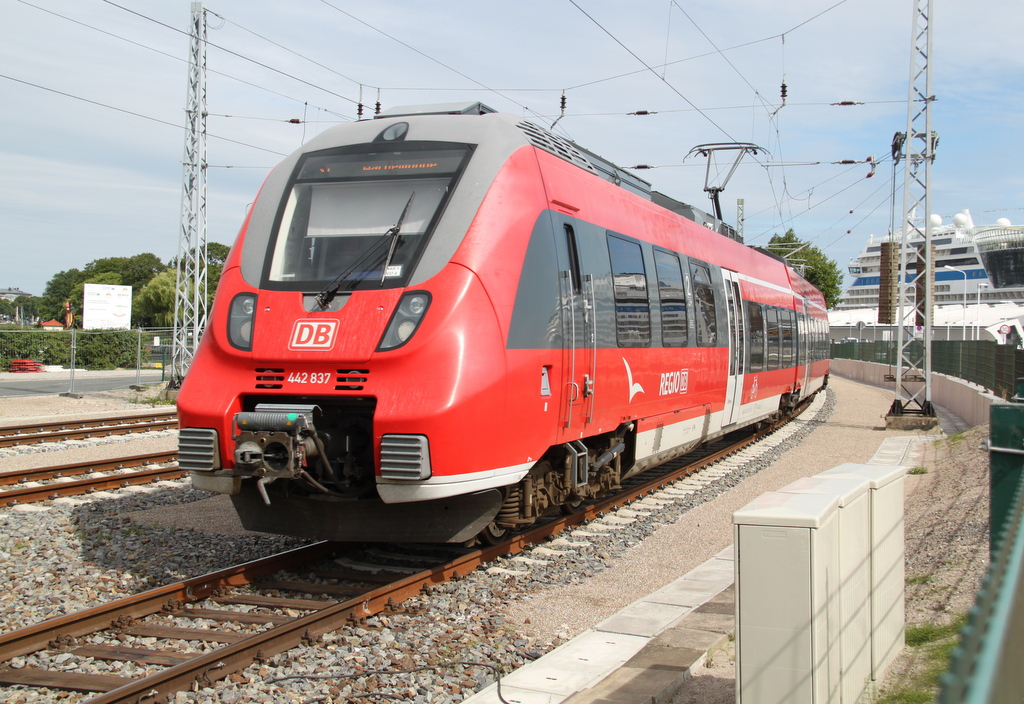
point(291, 51)
point(174, 57)
point(424, 55)
point(651, 70)
point(135, 114)
point(711, 53)
point(236, 54)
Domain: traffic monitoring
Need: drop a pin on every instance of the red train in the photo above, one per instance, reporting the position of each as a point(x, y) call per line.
point(446, 322)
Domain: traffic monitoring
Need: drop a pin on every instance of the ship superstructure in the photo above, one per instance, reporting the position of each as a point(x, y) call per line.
point(960, 277)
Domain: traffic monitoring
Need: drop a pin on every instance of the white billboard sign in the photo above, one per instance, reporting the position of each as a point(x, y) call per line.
point(107, 307)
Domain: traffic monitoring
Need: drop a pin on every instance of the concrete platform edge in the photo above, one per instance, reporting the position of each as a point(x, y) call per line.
point(646, 660)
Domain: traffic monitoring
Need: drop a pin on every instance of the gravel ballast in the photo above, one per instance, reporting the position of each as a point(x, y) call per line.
point(63, 557)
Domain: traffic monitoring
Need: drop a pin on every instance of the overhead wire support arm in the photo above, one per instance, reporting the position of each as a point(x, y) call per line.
point(708, 150)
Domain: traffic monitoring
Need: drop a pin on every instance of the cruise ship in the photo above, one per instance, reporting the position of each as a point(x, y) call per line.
point(960, 277)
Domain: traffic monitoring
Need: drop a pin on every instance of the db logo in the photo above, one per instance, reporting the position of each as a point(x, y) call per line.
point(313, 335)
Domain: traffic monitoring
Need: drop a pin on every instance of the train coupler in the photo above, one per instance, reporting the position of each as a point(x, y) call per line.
point(274, 441)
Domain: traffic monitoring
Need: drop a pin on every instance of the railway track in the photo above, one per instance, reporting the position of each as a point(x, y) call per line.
point(339, 588)
point(43, 483)
point(32, 433)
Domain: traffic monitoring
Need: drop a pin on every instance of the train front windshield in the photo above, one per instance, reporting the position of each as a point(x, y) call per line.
point(364, 213)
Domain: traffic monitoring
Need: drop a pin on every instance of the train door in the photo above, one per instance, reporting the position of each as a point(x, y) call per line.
point(579, 330)
point(737, 344)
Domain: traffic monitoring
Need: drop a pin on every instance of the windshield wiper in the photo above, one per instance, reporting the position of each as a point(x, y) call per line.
point(325, 297)
point(393, 233)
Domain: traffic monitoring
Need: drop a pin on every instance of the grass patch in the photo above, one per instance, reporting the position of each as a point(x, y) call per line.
point(140, 397)
point(919, 579)
point(156, 401)
point(952, 440)
point(932, 646)
point(928, 633)
point(918, 470)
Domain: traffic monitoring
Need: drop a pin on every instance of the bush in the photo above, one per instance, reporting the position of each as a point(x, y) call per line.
point(41, 346)
point(111, 349)
point(115, 349)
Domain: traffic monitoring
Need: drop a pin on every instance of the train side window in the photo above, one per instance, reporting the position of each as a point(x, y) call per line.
point(786, 328)
point(798, 335)
point(673, 299)
point(772, 332)
point(574, 258)
point(629, 281)
point(704, 302)
point(755, 323)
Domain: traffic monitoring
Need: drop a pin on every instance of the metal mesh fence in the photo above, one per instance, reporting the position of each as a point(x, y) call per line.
point(983, 362)
point(93, 350)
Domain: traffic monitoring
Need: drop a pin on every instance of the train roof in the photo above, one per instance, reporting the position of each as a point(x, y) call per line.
point(574, 154)
point(496, 137)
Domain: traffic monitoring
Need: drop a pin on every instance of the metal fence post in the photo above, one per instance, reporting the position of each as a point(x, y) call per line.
point(73, 346)
point(138, 361)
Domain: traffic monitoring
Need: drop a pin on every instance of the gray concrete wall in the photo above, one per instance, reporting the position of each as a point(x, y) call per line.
point(967, 400)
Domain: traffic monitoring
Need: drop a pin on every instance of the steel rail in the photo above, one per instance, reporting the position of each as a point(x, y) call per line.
point(33, 638)
point(33, 494)
point(79, 468)
point(14, 440)
point(155, 414)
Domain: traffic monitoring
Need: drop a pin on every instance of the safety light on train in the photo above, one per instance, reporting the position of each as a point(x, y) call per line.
point(406, 319)
point(240, 320)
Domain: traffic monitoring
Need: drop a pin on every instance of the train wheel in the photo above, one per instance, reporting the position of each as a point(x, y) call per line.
point(571, 507)
point(494, 534)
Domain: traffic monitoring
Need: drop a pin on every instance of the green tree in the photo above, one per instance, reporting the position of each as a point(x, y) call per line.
point(817, 268)
point(140, 270)
point(153, 306)
point(58, 290)
point(216, 255)
point(30, 307)
point(131, 271)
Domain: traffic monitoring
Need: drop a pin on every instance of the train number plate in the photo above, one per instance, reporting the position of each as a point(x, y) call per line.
point(310, 377)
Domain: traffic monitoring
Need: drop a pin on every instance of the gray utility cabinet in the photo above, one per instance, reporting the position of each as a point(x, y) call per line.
point(854, 577)
point(887, 553)
point(787, 610)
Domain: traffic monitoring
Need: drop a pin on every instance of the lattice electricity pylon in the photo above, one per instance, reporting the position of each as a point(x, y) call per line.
point(913, 356)
point(190, 288)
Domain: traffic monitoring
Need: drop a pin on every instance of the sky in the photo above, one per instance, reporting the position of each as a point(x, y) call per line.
point(93, 94)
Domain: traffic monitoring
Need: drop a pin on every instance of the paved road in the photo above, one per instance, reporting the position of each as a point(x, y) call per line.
point(26, 385)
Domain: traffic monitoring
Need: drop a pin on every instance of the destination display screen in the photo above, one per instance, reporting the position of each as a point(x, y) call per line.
point(388, 164)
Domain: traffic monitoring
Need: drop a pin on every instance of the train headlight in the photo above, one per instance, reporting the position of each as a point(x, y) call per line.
point(240, 320)
point(406, 319)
